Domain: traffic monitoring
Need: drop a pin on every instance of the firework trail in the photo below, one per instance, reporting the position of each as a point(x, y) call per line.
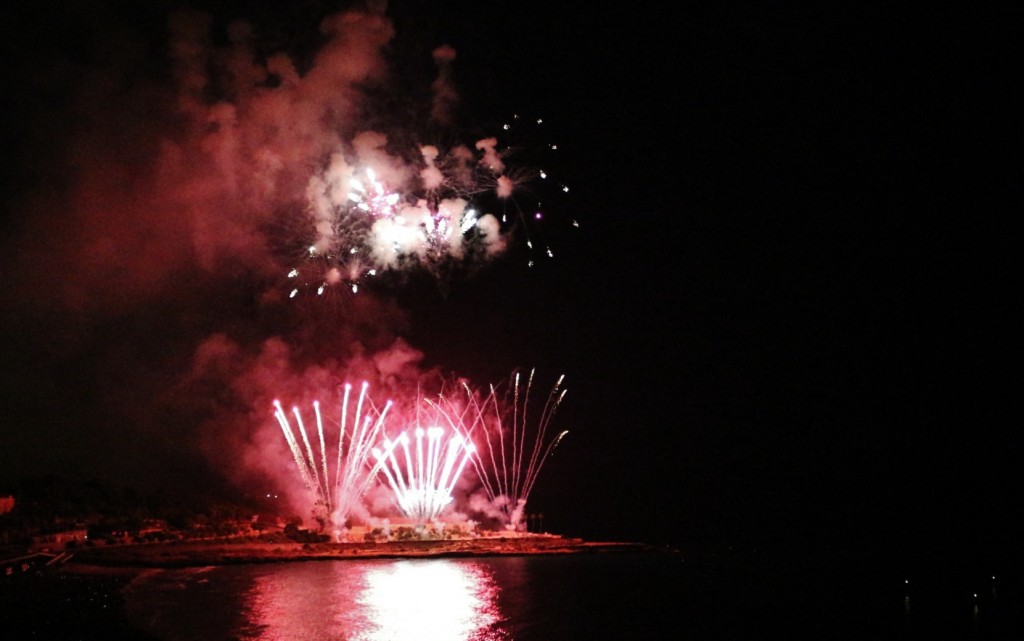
point(334, 501)
point(517, 438)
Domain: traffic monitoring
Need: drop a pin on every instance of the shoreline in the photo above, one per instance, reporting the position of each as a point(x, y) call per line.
point(84, 592)
point(205, 553)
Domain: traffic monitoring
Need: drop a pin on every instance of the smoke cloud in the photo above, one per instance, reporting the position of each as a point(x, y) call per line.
point(185, 203)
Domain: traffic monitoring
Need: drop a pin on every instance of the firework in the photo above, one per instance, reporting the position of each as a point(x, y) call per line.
point(422, 465)
point(424, 208)
point(327, 273)
point(423, 483)
point(334, 499)
point(522, 178)
point(517, 436)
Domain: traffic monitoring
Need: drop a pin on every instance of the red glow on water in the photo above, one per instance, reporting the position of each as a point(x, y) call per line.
point(434, 599)
point(422, 599)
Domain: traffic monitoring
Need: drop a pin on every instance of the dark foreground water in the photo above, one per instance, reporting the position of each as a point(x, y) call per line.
point(543, 598)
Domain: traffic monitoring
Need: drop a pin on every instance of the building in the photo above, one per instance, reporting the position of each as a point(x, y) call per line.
point(60, 539)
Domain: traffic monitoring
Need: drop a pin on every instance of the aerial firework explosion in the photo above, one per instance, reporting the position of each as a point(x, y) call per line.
point(425, 209)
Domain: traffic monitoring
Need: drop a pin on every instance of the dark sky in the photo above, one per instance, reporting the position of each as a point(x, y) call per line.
point(785, 314)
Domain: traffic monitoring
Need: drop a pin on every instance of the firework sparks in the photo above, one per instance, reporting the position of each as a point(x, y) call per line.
point(423, 483)
point(335, 500)
point(374, 212)
point(423, 464)
point(516, 178)
point(517, 435)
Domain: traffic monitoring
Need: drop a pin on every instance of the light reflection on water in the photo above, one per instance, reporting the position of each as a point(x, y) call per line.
point(301, 601)
point(423, 599)
point(435, 600)
point(559, 598)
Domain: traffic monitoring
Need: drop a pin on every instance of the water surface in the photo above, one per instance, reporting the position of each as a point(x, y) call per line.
point(561, 597)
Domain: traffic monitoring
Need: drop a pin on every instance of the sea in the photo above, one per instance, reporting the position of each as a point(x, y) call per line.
point(644, 594)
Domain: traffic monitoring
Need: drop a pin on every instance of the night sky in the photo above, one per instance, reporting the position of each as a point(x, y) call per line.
point(784, 318)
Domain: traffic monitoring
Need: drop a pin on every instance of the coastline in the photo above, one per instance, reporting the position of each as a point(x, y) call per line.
point(82, 596)
point(224, 552)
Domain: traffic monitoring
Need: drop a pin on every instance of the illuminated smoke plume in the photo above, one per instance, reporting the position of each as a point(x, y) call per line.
point(182, 191)
point(266, 163)
point(272, 417)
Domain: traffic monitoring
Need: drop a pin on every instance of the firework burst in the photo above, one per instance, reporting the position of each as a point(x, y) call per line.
point(525, 182)
point(380, 210)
